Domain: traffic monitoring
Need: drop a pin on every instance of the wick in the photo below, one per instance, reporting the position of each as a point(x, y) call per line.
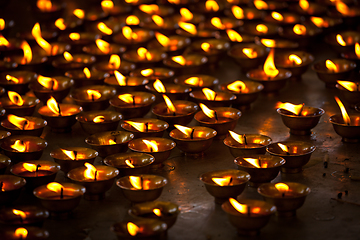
point(75, 153)
point(147, 127)
point(216, 117)
point(151, 149)
point(62, 193)
point(231, 179)
point(25, 123)
point(21, 219)
point(192, 133)
point(240, 89)
point(293, 62)
point(52, 85)
point(59, 109)
point(245, 141)
point(133, 97)
point(92, 97)
point(283, 194)
point(142, 183)
point(215, 96)
point(95, 175)
point(37, 169)
point(1, 186)
point(174, 114)
point(302, 107)
point(248, 210)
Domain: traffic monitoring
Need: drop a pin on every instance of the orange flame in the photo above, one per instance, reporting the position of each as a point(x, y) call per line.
point(79, 13)
point(237, 12)
point(159, 86)
point(12, 79)
point(2, 24)
point(343, 8)
point(340, 40)
point(68, 57)
point(48, 82)
point(87, 72)
point(189, 27)
point(238, 86)
point(304, 4)
point(27, 52)
point(222, 181)
point(268, 42)
point(114, 61)
point(69, 154)
point(157, 212)
point(36, 32)
point(170, 106)
point(30, 167)
point(136, 182)
point(128, 33)
point(262, 28)
point(195, 81)
point(141, 127)
point(331, 66)
point(3, 41)
point(250, 53)
point(237, 137)
point(93, 94)
point(19, 146)
point(319, 22)
point(147, 72)
point(216, 22)
point(132, 228)
point(143, 53)
point(233, 35)
point(74, 36)
point(299, 29)
point(132, 1)
point(209, 94)
point(207, 111)
point(107, 5)
point(162, 39)
point(253, 161)
point(152, 145)
point(344, 114)
point(283, 147)
point(103, 45)
point(179, 59)
point(212, 5)
point(357, 49)
point(185, 130)
point(269, 66)
point(205, 46)
point(104, 28)
point(277, 16)
point(110, 142)
point(260, 5)
point(53, 106)
point(241, 208)
point(282, 187)
point(44, 5)
point(132, 20)
point(121, 79)
point(350, 86)
point(149, 9)
point(90, 172)
point(296, 109)
point(295, 59)
point(186, 14)
point(15, 98)
point(158, 20)
point(21, 233)
point(127, 97)
point(99, 119)
point(60, 24)
point(55, 187)
point(19, 213)
point(20, 122)
point(128, 163)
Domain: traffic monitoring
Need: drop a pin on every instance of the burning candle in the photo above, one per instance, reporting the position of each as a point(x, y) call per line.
point(145, 127)
point(209, 7)
point(186, 64)
point(103, 49)
point(24, 125)
point(262, 168)
point(197, 81)
point(163, 74)
point(73, 157)
point(110, 142)
point(141, 188)
point(133, 104)
point(23, 215)
point(60, 199)
point(78, 40)
point(35, 172)
point(96, 179)
point(193, 141)
point(158, 147)
point(124, 84)
point(295, 61)
point(140, 228)
point(165, 25)
point(246, 14)
point(23, 148)
point(286, 196)
point(173, 45)
point(295, 153)
point(212, 98)
point(279, 44)
point(190, 30)
point(173, 91)
point(69, 61)
point(114, 63)
point(309, 8)
point(19, 105)
point(246, 144)
point(17, 81)
point(303, 33)
point(130, 163)
point(59, 116)
point(10, 187)
point(223, 184)
point(221, 119)
point(349, 91)
point(235, 37)
point(213, 49)
point(99, 121)
point(145, 58)
point(24, 232)
point(283, 18)
point(133, 37)
point(86, 77)
point(269, 5)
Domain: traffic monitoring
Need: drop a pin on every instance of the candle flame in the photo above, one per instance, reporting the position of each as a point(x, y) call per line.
point(357, 49)
point(90, 172)
point(195, 81)
point(3, 41)
point(269, 66)
point(21, 233)
point(216, 22)
point(19, 213)
point(295, 109)
point(48, 82)
point(36, 32)
point(237, 137)
point(205, 46)
point(55, 187)
point(152, 145)
point(268, 42)
point(212, 5)
point(15, 98)
point(79, 13)
point(99, 119)
point(44, 5)
point(74, 36)
point(330, 65)
point(93, 94)
point(2, 24)
point(238, 86)
point(350, 86)
point(132, 228)
point(159, 21)
point(60, 24)
point(241, 208)
point(222, 181)
point(340, 40)
point(107, 5)
point(283, 147)
point(53, 106)
point(114, 61)
point(132, 20)
point(207, 111)
point(319, 22)
point(27, 52)
point(87, 72)
point(261, 28)
point(143, 53)
point(170, 106)
point(260, 5)
point(68, 57)
point(343, 8)
point(234, 36)
point(185, 130)
point(12, 79)
point(189, 27)
point(253, 161)
point(128, 163)
point(19, 146)
point(238, 12)
point(179, 59)
point(295, 59)
point(299, 29)
point(250, 53)
point(282, 187)
point(149, 9)
point(104, 28)
point(186, 14)
point(277, 16)
point(209, 94)
point(121, 79)
point(69, 154)
point(159, 86)
point(157, 212)
point(30, 167)
point(147, 72)
point(136, 182)
point(20, 122)
point(162, 39)
point(141, 127)
point(103, 46)
point(128, 33)
point(110, 142)
point(126, 97)
point(304, 5)
point(343, 111)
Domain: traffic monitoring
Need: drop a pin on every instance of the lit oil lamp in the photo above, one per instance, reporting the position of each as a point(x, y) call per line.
point(57, 87)
point(295, 153)
point(130, 163)
point(221, 23)
point(163, 74)
point(165, 25)
point(78, 40)
point(145, 127)
point(327, 24)
point(193, 141)
point(69, 61)
point(221, 119)
point(96, 179)
point(124, 84)
point(115, 9)
point(4, 163)
point(248, 216)
point(141, 188)
point(151, 229)
point(209, 7)
point(47, 9)
point(19, 105)
point(23, 148)
point(24, 232)
point(106, 28)
point(95, 97)
point(305, 7)
point(33, 126)
point(213, 49)
point(186, 64)
point(283, 18)
point(190, 30)
point(343, 41)
point(353, 55)
point(269, 6)
point(272, 78)
point(349, 14)
point(173, 91)
point(295, 61)
point(331, 70)
point(158, 147)
point(163, 211)
point(248, 55)
point(114, 63)
point(110, 142)
point(33, 36)
point(197, 81)
point(9, 46)
point(304, 34)
point(262, 168)
point(36, 172)
point(185, 15)
point(23, 215)
point(67, 24)
point(59, 116)
point(144, 58)
point(17, 81)
point(6, 25)
point(134, 37)
point(235, 37)
point(60, 199)
point(246, 14)
point(279, 44)
point(133, 104)
point(99, 121)
point(212, 99)
point(246, 144)
point(286, 196)
point(350, 91)
point(173, 45)
point(346, 125)
point(73, 157)
point(11, 187)
point(175, 112)
point(103, 49)
point(224, 184)
point(86, 77)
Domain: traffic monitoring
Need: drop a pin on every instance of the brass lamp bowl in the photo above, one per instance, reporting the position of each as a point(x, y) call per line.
point(286, 203)
point(301, 125)
point(23, 77)
point(27, 109)
point(109, 121)
point(132, 84)
point(349, 133)
point(155, 127)
point(299, 155)
point(246, 63)
point(155, 185)
point(80, 79)
point(34, 215)
point(193, 64)
point(38, 125)
point(351, 97)
point(267, 169)
point(202, 81)
point(256, 144)
point(270, 84)
point(130, 163)
point(235, 187)
point(173, 91)
point(5, 161)
point(282, 61)
point(110, 142)
point(11, 188)
point(222, 99)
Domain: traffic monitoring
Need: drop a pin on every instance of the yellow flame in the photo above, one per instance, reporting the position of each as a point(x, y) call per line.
point(282, 187)
point(69, 154)
point(159, 86)
point(209, 94)
point(319, 22)
point(277, 16)
point(262, 28)
point(222, 181)
point(158, 20)
point(179, 59)
point(55, 187)
point(343, 111)
point(186, 14)
point(79, 13)
point(141, 127)
point(296, 109)
point(132, 228)
point(20, 122)
point(128, 163)
point(304, 4)
point(36, 32)
point(99, 119)
point(132, 20)
point(295, 59)
point(104, 28)
point(107, 5)
point(189, 27)
point(205, 46)
point(157, 212)
point(152, 145)
point(260, 5)
point(233, 35)
point(121, 79)
point(216, 22)
point(19, 213)
point(299, 29)
point(15, 98)
point(48, 82)
point(53, 106)
point(12, 79)
point(357, 49)
point(136, 182)
point(103, 45)
point(330, 65)
point(212, 5)
point(269, 66)
point(250, 53)
point(30, 167)
point(149, 9)
point(74, 36)
point(237, 137)
point(162, 39)
point(19, 146)
point(68, 57)
point(93, 94)
point(241, 208)
point(283, 147)
point(268, 42)
point(126, 97)
point(114, 61)
point(21, 233)
point(90, 172)
point(128, 33)
point(87, 72)
point(147, 72)
point(238, 86)
point(343, 8)
point(3, 41)
point(237, 11)
point(340, 40)
point(60, 24)
point(110, 142)
point(253, 161)
point(170, 106)
point(143, 53)
point(44, 5)
point(350, 86)
point(27, 52)
point(207, 111)
point(2, 24)
point(185, 130)
point(195, 81)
